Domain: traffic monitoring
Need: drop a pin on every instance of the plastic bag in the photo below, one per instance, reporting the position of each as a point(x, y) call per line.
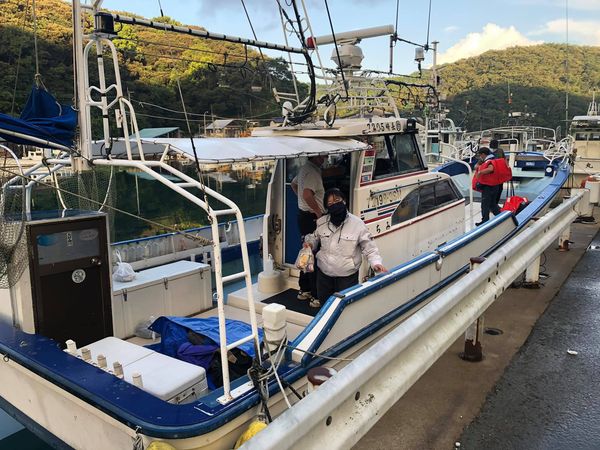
point(305, 260)
point(123, 272)
point(143, 329)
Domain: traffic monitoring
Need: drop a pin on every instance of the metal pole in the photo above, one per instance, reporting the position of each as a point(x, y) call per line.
point(83, 107)
point(205, 34)
point(473, 351)
point(532, 275)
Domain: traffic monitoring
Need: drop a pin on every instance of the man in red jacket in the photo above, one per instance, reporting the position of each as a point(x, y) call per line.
point(488, 183)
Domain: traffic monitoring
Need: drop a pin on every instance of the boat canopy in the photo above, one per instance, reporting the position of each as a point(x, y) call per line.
point(227, 150)
point(43, 122)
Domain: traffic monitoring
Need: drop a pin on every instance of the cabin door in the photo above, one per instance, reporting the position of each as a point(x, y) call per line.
point(291, 231)
point(70, 277)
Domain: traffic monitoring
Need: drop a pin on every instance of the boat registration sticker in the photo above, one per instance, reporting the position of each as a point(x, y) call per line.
point(78, 276)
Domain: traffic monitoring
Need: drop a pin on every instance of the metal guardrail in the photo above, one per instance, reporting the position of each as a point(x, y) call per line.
point(350, 403)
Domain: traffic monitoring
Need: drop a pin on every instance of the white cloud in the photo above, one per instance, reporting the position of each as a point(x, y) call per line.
point(451, 29)
point(492, 37)
point(584, 31)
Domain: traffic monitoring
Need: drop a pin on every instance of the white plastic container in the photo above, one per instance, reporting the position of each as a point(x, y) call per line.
point(164, 377)
point(274, 322)
point(594, 187)
point(181, 288)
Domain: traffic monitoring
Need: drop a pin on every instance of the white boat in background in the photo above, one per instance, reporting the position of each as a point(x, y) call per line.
point(585, 131)
point(109, 389)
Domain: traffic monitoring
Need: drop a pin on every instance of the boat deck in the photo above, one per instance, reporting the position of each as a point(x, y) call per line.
point(231, 312)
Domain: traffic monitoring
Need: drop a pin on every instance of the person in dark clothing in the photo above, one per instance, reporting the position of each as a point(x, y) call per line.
point(308, 186)
point(487, 184)
point(498, 153)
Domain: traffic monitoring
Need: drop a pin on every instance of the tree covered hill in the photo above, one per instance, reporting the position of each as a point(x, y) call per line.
point(216, 77)
point(226, 80)
point(536, 77)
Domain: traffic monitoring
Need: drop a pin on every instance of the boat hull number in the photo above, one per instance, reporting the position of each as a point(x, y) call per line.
point(377, 199)
point(382, 127)
point(78, 276)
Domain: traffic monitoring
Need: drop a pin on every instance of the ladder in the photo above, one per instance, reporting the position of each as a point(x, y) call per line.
point(122, 108)
point(179, 186)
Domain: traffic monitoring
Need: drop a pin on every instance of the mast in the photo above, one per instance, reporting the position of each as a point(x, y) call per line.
point(83, 113)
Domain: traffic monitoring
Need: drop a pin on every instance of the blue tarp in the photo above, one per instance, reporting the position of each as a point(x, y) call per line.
point(42, 118)
point(173, 332)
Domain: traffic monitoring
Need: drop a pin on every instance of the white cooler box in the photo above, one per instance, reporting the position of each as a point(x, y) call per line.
point(164, 377)
point(181, 288)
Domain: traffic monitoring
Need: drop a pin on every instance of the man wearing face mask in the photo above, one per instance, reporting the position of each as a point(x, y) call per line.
point(343, 238)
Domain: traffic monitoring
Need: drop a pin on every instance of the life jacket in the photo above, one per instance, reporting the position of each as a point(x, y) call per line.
point(502, 169)
point(489, 179)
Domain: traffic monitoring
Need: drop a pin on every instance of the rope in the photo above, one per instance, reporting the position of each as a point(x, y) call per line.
point(37, 77)
point(12, 106)
point(256, 39)
point(198, 170)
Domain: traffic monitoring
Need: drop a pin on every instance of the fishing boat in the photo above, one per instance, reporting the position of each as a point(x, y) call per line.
point(585, 131)
point(76, 368)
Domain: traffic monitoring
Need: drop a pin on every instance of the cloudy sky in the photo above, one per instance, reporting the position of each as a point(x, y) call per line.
point(463, 27)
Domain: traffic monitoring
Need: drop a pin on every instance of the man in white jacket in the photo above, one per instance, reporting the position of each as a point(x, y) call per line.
point(343, 239)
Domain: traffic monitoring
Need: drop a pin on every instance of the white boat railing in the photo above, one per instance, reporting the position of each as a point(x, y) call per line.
point(155, 250)
point(350, 403)
point(470, 172)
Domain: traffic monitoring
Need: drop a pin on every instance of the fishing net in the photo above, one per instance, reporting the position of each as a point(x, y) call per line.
point(13, 248)
point(89, 190)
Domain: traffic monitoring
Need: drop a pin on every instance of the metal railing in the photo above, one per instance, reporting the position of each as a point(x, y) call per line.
point(352, 401)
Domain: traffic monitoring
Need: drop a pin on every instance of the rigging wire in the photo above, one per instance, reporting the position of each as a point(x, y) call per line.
point(256, 39)
point(179, 47)
point(397, 11)
point(12, 106)
point(337, 51)
point(310, 105)
point(198, 170)
point(428, 24)
point(35, 44)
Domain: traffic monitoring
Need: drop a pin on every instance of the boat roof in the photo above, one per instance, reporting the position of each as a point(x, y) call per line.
point(227, 150)
point(594, 118)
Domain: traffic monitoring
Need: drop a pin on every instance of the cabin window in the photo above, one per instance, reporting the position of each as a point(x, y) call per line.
point(407, 209)
point(581, 136)
point(595, 137)
point(396, 154)
point(425, 199)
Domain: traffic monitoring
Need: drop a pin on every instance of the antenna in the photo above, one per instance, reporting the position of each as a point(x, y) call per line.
point(567, 65)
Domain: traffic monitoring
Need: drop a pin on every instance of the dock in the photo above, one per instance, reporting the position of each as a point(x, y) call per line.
point(529, 391)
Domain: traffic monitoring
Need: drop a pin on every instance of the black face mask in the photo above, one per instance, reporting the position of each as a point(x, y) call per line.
point(337, 213)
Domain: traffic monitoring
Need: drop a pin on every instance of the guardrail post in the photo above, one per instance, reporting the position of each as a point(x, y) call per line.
point(563, 240)
point(473, 351)
point(532, 275)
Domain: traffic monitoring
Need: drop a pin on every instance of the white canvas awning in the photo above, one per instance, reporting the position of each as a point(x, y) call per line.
point(226, 150)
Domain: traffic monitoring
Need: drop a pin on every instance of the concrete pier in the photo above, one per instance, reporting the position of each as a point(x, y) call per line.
point(511, 399)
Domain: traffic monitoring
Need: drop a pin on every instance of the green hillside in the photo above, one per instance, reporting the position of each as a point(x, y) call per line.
point(219, 78)
point(216, 77)
point(477, 88)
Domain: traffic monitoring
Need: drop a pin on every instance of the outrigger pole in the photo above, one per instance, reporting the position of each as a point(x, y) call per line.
point(195, 32)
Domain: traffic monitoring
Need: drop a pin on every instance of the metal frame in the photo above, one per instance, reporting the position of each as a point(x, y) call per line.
point(362, 391)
